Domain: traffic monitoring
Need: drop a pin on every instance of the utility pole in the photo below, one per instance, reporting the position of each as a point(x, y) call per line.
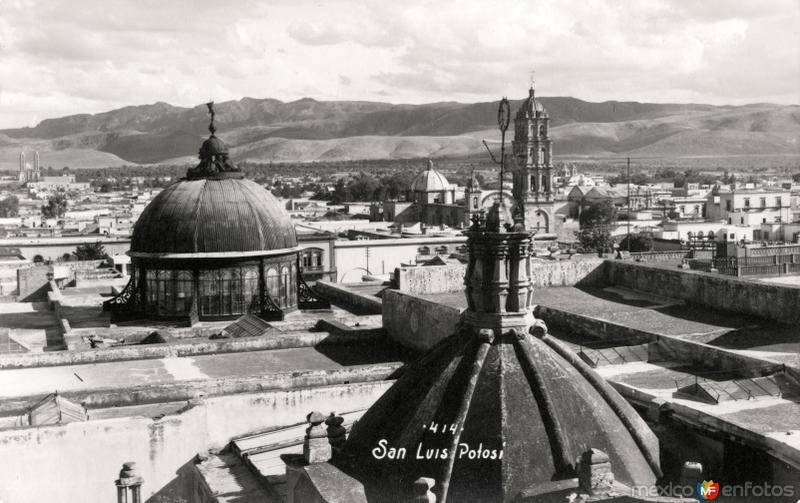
point(629, 205)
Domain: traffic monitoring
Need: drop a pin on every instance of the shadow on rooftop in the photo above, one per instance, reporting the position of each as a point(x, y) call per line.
point(86, 316)
point(383, 351)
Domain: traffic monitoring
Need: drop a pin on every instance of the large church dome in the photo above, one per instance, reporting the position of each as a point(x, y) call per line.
point(213, 246)
point(430, 180)
point(213, 215)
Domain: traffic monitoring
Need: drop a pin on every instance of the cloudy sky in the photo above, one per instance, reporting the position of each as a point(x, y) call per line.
point(58, 58)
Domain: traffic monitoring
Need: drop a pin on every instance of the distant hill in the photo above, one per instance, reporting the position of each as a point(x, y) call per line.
point(309, 130)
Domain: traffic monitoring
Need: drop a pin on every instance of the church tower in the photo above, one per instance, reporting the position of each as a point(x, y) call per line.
point(533, 165)
point(473, 199)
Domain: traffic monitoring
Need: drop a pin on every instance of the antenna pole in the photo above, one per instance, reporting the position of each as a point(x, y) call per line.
point(629, 205)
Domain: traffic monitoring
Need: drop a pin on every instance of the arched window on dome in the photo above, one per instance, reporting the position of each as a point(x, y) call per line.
point(284, 286)
point(251, 293)
point(293, 286)
point(184, 291)
point(273, 287)
point(475, 203)
point(210, 283)
point(225, 290)
point(151, 285)
point(237, 296)
point(542, 131)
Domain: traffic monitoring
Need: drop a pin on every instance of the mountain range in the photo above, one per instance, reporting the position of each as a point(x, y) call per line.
point(267, 130)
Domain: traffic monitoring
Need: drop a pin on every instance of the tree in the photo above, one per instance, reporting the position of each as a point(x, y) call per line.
point(596, 238)
point(639, 242)
point(90, 251)
point(599, 213)
point(56, 206)
point(9, 207)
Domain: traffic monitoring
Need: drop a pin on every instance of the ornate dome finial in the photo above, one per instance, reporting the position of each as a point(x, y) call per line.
point(211, 126)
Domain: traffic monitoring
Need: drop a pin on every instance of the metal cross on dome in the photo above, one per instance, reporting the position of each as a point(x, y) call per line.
point(211, 126)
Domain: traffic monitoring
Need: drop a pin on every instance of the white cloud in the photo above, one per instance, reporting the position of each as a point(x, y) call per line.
point(94, 55)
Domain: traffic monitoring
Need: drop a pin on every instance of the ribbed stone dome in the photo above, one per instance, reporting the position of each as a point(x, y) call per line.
point(213, 215)
point(430, 180)
point(530, 401)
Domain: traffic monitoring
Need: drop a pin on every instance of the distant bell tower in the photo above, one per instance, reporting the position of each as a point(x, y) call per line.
point(21, 176)
point(533, 160)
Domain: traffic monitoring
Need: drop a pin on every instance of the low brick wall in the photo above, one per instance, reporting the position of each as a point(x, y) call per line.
point(339, 294)
point(416, 322)
point(776, 302)
point(431, 279)
point(664, 346)
point(203, 388)
point(178, 349)
point(579, 270)
point(583, 270)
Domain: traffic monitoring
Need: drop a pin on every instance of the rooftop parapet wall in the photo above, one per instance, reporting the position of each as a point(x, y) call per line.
point(544, 273)
point(725, 293)
point(416, 322)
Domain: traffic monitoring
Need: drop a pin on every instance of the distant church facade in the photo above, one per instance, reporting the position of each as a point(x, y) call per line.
point(26, 172)
point(432, 200)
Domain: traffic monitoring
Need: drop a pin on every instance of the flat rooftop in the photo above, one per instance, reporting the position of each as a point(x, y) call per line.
point(126, 374)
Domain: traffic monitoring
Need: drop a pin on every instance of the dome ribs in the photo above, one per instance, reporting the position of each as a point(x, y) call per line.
point(555, 433)
point(623, 410)
point(213, 215)
point(461, 415)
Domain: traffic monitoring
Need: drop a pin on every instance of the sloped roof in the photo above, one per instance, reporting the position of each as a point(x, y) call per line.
point(606, 192)
point(55, 409)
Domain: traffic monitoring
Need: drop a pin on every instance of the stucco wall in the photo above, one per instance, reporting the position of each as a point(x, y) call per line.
point(777, 302)
point(432, 279)
point(416, 322)
point(578, 270)
point(340, 294)
point(78, 462)
point(582, 270)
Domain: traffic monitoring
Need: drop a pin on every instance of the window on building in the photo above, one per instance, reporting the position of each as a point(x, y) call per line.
point(727, 205)
point(763, 202)
point(746, 202)
point(777, 220)
point(742, 219)
point(730, 221)
point(779, 202)
point(273, 284)
point(475, 203)
point(311, 259)
point(293, 286)
point(763, 220)
point(284, 286)
point(251, 294)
